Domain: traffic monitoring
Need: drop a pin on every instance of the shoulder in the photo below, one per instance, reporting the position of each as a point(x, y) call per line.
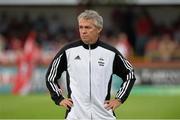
point(71, 45)
point(68, 46)
point(108, 47)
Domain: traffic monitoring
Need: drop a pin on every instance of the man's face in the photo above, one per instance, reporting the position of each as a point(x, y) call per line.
point(89, 33)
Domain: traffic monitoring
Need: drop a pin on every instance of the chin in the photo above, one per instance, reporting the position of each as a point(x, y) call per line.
point(86, 41)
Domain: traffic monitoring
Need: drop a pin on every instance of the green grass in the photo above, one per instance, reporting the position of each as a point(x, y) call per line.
point(140, 105)
point(31, 106)
point(150, 107)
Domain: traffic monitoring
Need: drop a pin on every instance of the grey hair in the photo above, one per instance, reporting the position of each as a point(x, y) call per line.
point(92, 15)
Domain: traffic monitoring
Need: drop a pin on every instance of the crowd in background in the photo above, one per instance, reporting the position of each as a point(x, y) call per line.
point(146, 38)
point(134, 35)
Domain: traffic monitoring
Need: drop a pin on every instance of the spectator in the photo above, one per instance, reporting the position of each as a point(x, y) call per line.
point(177, 31)
point(123, 45)
point(2, 43)
point(4, 22)
point(54, 25)
point(143, 27)
point(41, 23)
point(151, 48)
point(166, 47)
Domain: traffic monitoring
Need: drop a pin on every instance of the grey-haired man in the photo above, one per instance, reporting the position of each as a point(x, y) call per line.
point(89, 64)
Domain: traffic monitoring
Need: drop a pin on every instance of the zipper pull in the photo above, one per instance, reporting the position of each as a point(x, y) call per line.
point(89, 47)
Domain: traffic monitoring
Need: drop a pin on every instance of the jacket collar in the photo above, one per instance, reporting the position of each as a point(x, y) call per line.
point(92, 46)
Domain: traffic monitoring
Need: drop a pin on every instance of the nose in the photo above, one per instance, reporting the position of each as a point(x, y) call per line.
point(84, 31)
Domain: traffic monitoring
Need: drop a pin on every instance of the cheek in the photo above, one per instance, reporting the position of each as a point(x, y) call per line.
point(94, 33)
point(80, 32)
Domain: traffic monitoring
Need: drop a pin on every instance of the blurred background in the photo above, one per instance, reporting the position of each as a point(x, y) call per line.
point(146, 32)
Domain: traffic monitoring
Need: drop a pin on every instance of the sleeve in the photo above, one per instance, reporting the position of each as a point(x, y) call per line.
point(57, 66)
point(123, 69)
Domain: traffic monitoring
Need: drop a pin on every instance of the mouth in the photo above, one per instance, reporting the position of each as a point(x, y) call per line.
point(84, 37)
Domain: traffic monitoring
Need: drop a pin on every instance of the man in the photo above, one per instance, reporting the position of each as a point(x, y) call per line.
point(90, 64)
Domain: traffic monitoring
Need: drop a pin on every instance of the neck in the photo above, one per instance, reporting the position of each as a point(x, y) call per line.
point(92, 41)
point(93, 45)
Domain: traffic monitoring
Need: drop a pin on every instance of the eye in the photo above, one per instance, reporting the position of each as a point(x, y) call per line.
point(87, 27)
point(80, 27)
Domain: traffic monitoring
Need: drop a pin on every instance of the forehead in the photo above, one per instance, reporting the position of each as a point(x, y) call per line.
point(83, 21)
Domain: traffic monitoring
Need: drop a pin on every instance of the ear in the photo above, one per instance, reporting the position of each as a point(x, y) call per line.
point(99, 30)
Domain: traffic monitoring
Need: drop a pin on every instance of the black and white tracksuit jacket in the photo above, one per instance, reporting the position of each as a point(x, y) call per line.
point(89, 72)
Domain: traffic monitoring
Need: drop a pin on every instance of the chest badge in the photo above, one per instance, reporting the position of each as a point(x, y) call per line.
point(101, 62)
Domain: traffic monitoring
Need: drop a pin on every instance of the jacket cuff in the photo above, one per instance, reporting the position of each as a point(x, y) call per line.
point(59, 100)
point(120, 100)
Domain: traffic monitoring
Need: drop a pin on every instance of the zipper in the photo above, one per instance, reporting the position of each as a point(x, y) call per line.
point(90, 94)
